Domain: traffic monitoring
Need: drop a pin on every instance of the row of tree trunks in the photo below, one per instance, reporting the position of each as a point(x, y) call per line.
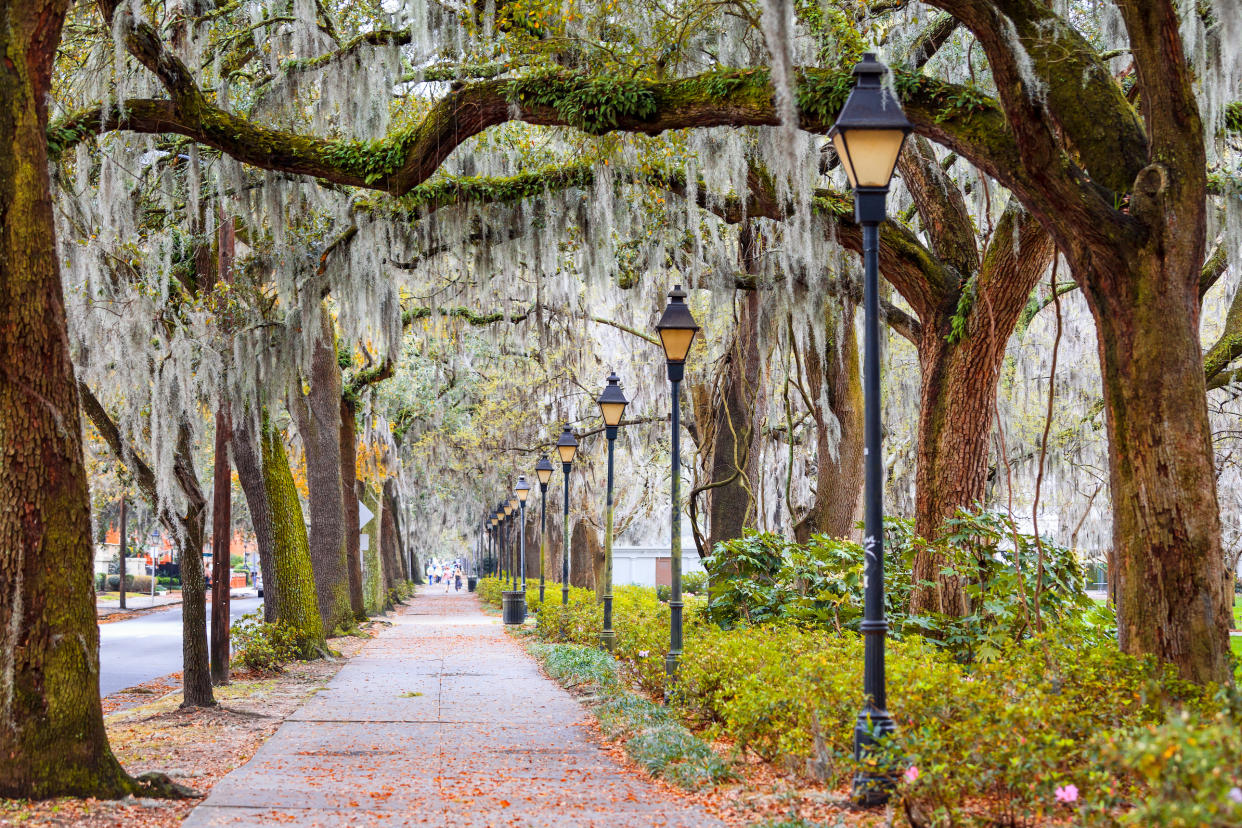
point(52, 739)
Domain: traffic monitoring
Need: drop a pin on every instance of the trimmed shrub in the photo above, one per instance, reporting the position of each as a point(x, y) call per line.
point(258, 645)
point(136, 583)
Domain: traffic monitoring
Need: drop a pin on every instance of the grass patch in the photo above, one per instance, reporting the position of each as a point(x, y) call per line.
point(652, 736)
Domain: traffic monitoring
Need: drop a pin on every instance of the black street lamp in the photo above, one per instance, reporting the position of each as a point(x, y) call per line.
point(522, 490)
point(868, 136)
point(543, 470)
point(513, 516)
point(677, 329)
point(612, 405)
point(495, 550)
point(566, 447)
point(506, 561)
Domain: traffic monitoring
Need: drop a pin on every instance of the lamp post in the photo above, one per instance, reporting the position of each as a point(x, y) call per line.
point(566, 447)
point(505, 510)
point(677, 329)
point(868, 136)
point(492, 545)
point(513, 514)
point(612, 405)
point(522, 490)
point(543, 471)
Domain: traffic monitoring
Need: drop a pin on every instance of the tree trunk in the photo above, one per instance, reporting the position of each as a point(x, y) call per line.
point(1173, 595)
point(349, 506)
point(732, 499)
point(52, 740)
point(195, 667)
point(372, 570)
point(586, 556)
point(318, 417)
point(121, 547)
point(221, 551)
point(839, 468)
point(957, 402)
point(297, 604)
point(390, 553)
point(250, 472)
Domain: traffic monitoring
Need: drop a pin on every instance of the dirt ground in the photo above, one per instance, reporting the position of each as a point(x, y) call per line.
point(149, 732)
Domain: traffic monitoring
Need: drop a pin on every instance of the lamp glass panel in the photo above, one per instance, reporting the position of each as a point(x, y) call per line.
point(544, 475)
point(612, 412)
point(676, 343)
point(567, 453)
point(513, 504)
point(522, 493)
point(870, 154)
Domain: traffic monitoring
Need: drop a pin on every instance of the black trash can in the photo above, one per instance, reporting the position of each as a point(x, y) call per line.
point(514, 606)
point(471, 583)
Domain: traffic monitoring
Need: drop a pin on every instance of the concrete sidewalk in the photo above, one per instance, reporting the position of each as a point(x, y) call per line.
point(441, 720)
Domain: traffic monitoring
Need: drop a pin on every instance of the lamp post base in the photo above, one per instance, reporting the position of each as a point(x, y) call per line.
point(608, 640)
point(873, 785)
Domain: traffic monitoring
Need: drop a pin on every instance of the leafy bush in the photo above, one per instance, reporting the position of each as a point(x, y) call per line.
point(1188, 769)
point(135, 583)
point(258, 645)
point(694, 582)
point(763, 578)
point(664, 593)
point(578, 622)
point(999, 567)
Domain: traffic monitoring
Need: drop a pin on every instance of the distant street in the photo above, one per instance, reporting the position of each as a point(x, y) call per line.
point(149, 646)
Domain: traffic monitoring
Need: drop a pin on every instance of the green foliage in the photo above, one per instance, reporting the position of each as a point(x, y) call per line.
point(134, 583)
point(258, 645)
point(694, 582)
point(965, 301)
point(592, 103)
point(762, 578)
point(1188, 769)
point(1003, 582)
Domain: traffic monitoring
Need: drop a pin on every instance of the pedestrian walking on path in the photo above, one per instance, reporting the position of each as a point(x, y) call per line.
point(441, 720)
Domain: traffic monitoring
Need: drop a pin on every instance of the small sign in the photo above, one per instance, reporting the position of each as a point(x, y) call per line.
point(364, 514)
point(364, 542)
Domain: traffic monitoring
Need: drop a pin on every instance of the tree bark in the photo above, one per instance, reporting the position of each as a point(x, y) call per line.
point(297, 604)
point(586, 556)
point(733, 428)
point(390, 551)
point(1173, 592)
point(246, 457)
point(195, 668)
point(349, 506)
point(839, 469)
point(221, 551)
point(121, 549)
point(52, 739)
point(318, 417)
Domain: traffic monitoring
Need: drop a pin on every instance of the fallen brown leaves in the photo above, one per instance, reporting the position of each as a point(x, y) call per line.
point(149, 732)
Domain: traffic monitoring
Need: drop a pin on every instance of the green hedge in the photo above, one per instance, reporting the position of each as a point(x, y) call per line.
point(998, 741)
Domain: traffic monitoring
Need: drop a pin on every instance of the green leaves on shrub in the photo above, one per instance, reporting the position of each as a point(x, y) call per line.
point(763, 578)
point(258, 645)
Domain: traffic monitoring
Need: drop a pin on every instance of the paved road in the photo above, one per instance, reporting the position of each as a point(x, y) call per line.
point(149, 646)
point(441, 720)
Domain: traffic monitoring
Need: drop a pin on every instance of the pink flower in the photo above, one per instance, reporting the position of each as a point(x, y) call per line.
point(1235, 794)
point(1069, 793)
point(911, 774)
